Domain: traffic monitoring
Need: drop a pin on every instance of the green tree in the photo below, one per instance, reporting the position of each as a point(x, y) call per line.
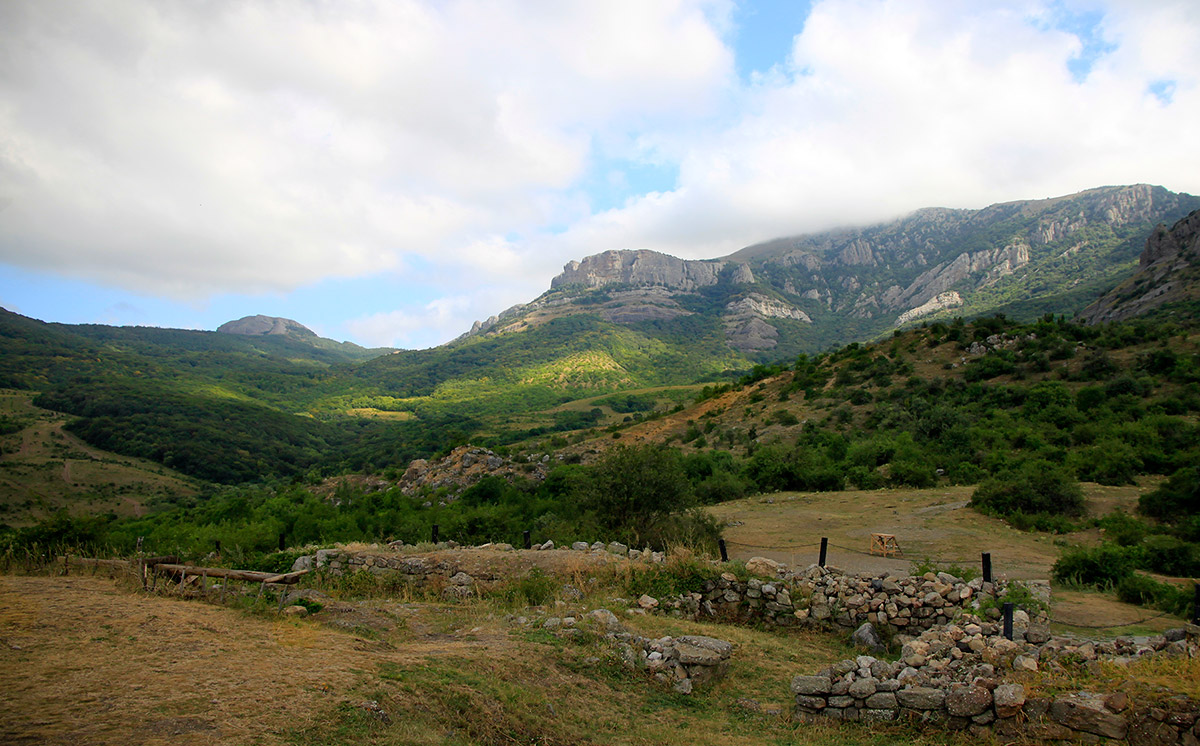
point(632, 486)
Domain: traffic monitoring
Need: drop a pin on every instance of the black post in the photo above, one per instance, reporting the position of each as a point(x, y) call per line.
point(987, 567)
point(1196, 606)
point(724, 553)
point(1008, 614)
point(218, 543)
point(282, 541)
point(528, 541)
point(824, 551)
point(435, 534)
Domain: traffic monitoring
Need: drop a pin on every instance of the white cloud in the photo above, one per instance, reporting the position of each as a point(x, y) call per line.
point(188, 149)
point(439, 318)
point(184, 150)
point(887, 106)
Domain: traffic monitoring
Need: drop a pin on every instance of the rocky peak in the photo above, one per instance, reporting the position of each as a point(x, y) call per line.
point(641, 267)
point(261, 326)
point(1168, 270)
point(1178, 242)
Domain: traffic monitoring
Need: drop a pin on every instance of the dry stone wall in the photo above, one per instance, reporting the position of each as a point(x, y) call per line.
point(961, 676)
point(823, 596)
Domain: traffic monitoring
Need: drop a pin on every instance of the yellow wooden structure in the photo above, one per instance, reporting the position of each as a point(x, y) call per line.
point(885, 544)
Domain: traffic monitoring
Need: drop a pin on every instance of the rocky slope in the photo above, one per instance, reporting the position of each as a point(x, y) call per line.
point(1168, 271)
point(806, 293)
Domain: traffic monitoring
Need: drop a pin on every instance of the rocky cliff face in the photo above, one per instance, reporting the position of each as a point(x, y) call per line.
point(639, 268)
point(806, 293)
point(1168, 271)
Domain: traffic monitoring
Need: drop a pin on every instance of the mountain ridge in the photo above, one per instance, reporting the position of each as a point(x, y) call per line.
point(1034, 256)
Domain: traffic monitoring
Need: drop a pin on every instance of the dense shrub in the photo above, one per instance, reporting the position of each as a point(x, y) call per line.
point(1176, 500)
point(1036, 487)
point(1143, 590)
point(1103, 566)
point(1171, 556)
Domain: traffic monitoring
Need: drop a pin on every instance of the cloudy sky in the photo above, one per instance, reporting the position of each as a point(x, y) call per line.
point(388, 171)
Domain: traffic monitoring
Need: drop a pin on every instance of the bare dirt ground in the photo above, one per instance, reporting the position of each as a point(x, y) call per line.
point(83, 661)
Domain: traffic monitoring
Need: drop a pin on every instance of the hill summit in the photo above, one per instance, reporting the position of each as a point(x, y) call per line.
point(261, 326)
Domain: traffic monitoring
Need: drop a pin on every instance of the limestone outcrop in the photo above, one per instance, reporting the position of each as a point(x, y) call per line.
point(641, 267)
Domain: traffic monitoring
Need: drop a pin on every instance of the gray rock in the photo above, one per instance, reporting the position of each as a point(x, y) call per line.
point(580, 546)
point(720, 647)
point(1079, 712)
point(683, 686)
point(921, 698)
point(867, 637)
point(810, 703)
point(691, 655)
point(1008, 699)
point(811, 685)
point(968, 701)
point(862, 688)
point(606, 619)
point(878, 716)
point(882, 701)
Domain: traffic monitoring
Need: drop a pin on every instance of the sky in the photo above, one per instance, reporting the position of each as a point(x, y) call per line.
point(388, 171)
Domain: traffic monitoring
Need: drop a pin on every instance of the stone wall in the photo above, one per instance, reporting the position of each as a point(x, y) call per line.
point(963, 677)
point(823, 596)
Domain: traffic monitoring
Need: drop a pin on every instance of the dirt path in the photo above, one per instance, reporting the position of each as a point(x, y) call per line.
point(84, 662)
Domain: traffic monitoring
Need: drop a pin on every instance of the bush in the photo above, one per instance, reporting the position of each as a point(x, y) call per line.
point(1146, 591)
point(1103, 566)
point(865, 478)
point(1171, 556)
point(1175, 501)
point(1038, 486)
point(1047, 522)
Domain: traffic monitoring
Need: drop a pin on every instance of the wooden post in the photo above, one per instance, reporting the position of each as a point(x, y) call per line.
point(282, 541)
point(66, 564)
point(1008, 620)
point(824, 551)
point(987, 567)
point(1196, 606)
point(435, 534)
point(724, 552)
point(528, 540)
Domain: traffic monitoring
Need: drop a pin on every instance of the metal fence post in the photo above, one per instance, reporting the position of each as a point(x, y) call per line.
point(824, 551)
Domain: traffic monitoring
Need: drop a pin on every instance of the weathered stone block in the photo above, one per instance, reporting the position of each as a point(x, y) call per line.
point(1088, 714)
point(862, 688)
point(811, 685)
point(1008, 699)
point(968, 701)
point(922, 698)
point(810, 703)
point(882, 701)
